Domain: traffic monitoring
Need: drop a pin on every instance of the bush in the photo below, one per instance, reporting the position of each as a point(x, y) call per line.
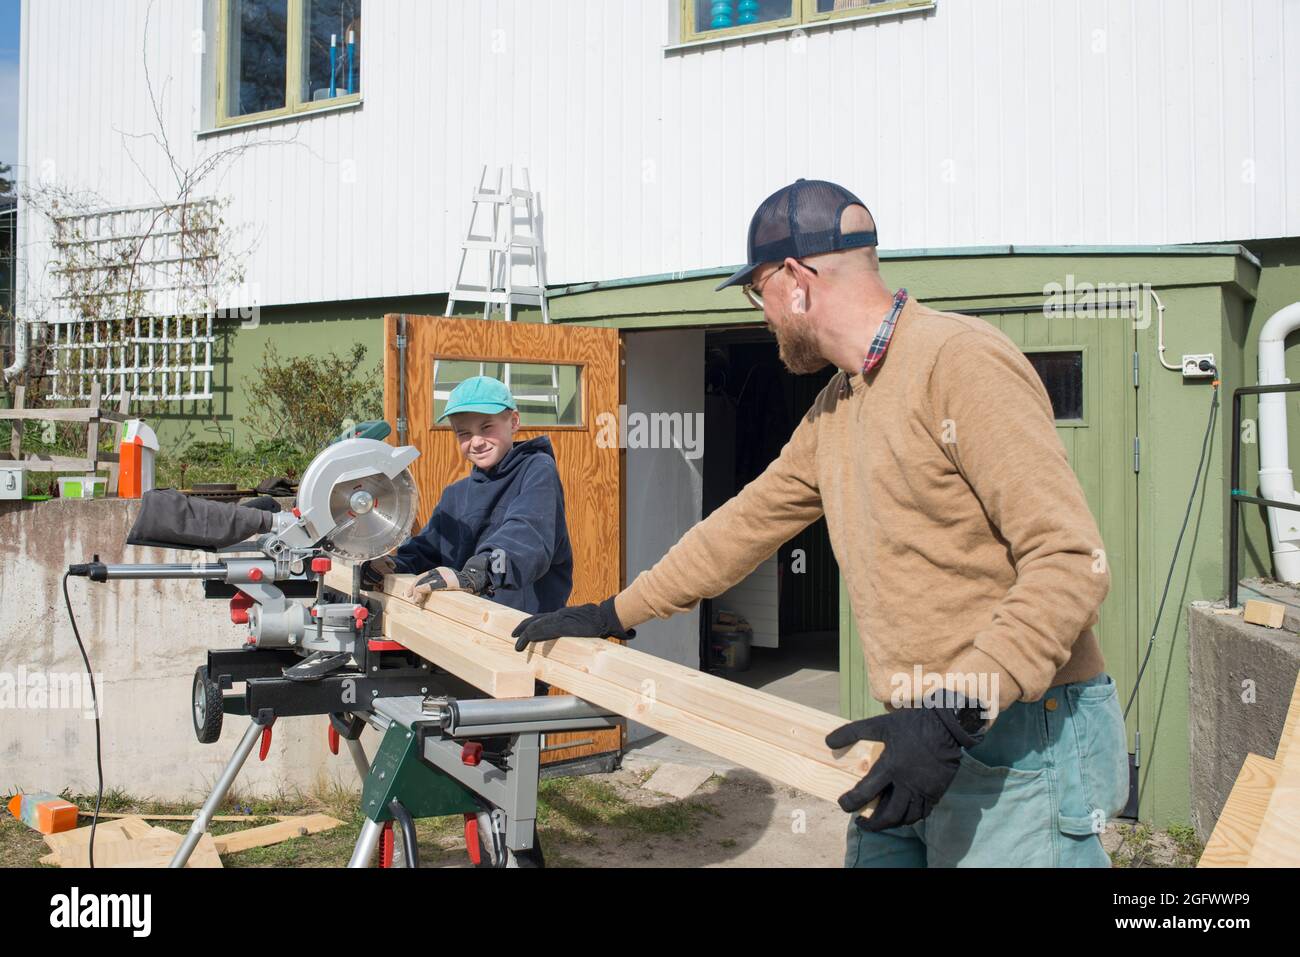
point(303, 402)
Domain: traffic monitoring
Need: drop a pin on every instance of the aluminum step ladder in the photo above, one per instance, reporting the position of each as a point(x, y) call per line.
point(513, 232)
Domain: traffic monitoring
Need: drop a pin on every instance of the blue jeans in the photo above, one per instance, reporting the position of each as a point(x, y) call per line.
point(1036, 792)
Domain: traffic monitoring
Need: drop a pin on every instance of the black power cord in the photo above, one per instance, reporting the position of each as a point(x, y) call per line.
point(1173, 562)
point(94, 698)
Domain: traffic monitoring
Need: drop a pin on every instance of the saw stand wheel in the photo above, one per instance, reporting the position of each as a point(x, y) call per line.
point(208, 707)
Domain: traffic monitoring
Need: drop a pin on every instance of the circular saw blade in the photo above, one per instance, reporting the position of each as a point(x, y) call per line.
point(380, 530)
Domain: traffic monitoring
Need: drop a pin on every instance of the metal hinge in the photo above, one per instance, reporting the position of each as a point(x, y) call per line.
point(401, 342)
point(1137, 454)
point(1135, 370)
point(401, 426)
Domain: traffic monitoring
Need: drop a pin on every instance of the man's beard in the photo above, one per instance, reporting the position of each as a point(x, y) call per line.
point(798, 346)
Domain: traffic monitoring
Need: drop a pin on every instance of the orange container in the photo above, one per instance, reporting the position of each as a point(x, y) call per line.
point(47, 813)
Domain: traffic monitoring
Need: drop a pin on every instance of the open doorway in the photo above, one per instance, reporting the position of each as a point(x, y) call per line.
point(779, 629)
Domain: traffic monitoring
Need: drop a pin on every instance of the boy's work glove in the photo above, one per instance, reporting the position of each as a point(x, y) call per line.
point(374, 571)
point(580, 621)
point(473, 578)
point(922, 753)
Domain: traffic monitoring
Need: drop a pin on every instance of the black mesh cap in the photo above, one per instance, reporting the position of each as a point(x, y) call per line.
point(802, 219)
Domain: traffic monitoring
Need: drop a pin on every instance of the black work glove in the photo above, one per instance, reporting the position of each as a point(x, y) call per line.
point(922, 753)
point(580, 621)
point(474, 578)
point(374, 571)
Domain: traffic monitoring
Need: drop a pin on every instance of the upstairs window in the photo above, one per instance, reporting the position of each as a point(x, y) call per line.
point(281, 57)
point(708, 19)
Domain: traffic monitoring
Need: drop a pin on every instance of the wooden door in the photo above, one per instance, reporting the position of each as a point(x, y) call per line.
point(564, 378)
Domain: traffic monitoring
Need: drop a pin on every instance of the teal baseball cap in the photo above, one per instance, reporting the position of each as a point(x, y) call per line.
point(480, 394)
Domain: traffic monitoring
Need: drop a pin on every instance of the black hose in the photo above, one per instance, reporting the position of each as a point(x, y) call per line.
point(94, 698)
point(403, 817)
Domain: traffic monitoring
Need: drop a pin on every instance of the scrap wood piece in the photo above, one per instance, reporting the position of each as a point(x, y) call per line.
point(1266, 613)
point(128, 842)
point(125, 828)
point(269, 834)
point(1238, 825)
point(767, 734)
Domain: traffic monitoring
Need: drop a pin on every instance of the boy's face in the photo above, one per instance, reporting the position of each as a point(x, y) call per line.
point(485, 439)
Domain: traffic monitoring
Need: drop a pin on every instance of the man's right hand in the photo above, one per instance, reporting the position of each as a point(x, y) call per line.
point(373, 572)
point(580, 621)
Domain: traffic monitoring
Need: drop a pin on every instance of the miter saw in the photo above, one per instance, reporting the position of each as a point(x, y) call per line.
point(311, 651)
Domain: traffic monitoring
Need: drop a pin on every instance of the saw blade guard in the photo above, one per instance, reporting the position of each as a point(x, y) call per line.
point(360, 495)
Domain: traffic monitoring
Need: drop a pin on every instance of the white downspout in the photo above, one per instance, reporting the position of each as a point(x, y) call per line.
point(1275, 480)
point(21, 234)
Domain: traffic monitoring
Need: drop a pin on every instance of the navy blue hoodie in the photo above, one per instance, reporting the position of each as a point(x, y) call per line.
point(517, 507)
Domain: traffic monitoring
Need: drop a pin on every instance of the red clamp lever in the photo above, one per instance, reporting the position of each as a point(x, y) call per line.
point(471, 754)
point(359, 615)
point(239, 606)
point(471, 840)
point(386, 842)
point(266, 743)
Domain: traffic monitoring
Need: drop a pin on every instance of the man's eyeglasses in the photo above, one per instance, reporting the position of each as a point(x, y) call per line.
point(755, 293)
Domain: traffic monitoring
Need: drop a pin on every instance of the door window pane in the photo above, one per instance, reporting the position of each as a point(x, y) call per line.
point(547, 395)
point(1062, 374)
point(725, 14)
point(331, 57)
point(258, 37)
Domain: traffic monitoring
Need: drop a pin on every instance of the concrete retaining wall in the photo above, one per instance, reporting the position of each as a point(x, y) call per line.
point(145, 639)
point(1242, 679)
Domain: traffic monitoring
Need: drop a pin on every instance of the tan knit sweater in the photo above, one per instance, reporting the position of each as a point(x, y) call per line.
point(959, 527)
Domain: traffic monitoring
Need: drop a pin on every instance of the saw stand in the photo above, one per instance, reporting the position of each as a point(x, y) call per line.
point(429, 764)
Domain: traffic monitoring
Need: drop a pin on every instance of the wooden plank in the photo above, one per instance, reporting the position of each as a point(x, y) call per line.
point(50, 463)
point(1239, 822)
point(1290, 727)
point(269, 834)
point(489, 669)
point(782, 723)
point(1278, 841)
point(772, 736)
point(228, 818)
point(47, 415)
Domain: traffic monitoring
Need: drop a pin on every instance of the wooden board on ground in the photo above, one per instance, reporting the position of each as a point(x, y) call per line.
point(269, 834)
point(127, 842)
point(1239, 821)
point(775, 737)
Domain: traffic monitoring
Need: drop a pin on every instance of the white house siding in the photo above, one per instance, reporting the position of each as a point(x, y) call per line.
point(1040, 122)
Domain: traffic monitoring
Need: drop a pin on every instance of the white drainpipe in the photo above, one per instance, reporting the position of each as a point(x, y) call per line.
point(1275, 479)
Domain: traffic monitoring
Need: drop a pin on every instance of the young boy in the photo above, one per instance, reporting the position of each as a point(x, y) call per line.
point(500, 532)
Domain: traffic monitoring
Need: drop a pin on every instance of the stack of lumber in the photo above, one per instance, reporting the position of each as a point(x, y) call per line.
point(1260, 822)
point(470, 637)
point(131, 841)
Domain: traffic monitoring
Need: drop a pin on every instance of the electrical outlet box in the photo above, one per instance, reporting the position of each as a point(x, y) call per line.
point(1192, 367)
point(13, 484)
